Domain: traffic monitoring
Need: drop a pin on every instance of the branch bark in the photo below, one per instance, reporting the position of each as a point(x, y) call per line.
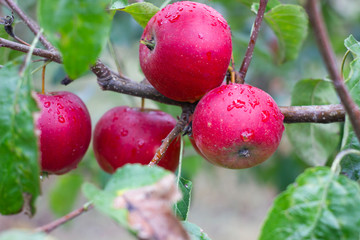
point(32, 25)
point(322, 38)
point(249, 52)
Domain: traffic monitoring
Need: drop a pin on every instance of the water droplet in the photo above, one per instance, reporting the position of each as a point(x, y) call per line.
point(124, 132)
point(168, 15)
point(47, 104)
point(61, 119)
point(141, 143)
point(250, 90)
point(57, 111)
point(160, 22)
point(201, 36)
point(230, 107)
point(230, 94)
point(60, 106)
point(254, 102)
point(213, 24)
point(180, 9)
point(247, 135)
point(222, 23)
point(238, 103)
point(269, 102)
point(265, 115)
point(174, 18)
point(115, 118)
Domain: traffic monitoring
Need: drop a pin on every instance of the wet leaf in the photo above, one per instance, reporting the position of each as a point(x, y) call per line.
point(135, 191)
point(74, 27)
point(314, 143)
point(319, 205)
point(19, 167)
point(17, 234)
point(141, 12)
point(182, 207)
point(290, 25)
point(196, 233)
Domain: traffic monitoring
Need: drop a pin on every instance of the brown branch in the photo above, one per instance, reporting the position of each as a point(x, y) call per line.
point(249, 52)
point(53, 225)
point(32, 25)
point(53, 56)
point(328, 55)
point(177, 130)
point(109, 80)
point(314, 114)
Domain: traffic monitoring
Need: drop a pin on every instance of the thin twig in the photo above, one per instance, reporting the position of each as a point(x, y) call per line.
point(30, 23)
point(328, 55)
point(177, 130)
point(53, 225)
point(249, 52)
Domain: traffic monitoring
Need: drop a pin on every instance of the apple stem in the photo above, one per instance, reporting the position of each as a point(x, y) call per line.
point(43, 80)
point(142, 104)
point(150, 44)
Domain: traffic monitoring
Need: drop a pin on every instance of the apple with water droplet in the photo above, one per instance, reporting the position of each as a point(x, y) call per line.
point(237, 126)
point(65, 131)
point(185, 50)
point(133, 135)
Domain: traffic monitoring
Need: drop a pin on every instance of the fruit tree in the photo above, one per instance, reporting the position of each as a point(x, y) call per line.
point(126, 106)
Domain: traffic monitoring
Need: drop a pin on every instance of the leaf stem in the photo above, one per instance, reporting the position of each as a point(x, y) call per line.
point(335, 167)
point(254, 34)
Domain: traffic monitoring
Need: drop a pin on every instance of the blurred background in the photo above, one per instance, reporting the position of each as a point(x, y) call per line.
point(227, 204)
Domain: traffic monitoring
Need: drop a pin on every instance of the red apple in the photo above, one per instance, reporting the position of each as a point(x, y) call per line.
point(132, 135)
point(237, 126)
point(186, 50)
point(65, 131)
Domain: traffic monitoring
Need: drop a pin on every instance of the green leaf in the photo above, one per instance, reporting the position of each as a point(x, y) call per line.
point(353, 45)
point(195, 232)
point(18, 234)
point(141, 12)
point(319, 205)
point(64, 193)
point(79, 29)
point(350, 165)
point(182, 207)
point(19, 167)
point(314, 143)
point(119, 4)
point(131, 176)
point(255, 4)
point(290, 25)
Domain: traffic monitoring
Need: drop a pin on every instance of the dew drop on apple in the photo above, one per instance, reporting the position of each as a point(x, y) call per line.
point(61, 119)
point(247, 135)
point(60, 106)
point(265, 115)
point(47, 104)
point(174, 18)
point(141, 143)
point(230, 94)
point(201, 36)
point(124, 132)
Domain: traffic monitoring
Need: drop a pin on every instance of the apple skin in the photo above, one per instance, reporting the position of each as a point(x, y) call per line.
point(133, 135)
point(65, 131)
point(237, 126)
point(192, 50)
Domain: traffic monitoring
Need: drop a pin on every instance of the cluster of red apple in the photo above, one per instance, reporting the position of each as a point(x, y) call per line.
point(184, 53)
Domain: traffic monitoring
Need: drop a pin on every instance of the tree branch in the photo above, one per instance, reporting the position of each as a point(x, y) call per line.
point(32, 25)
point(328, 55)
point(249, 52)
point(53, 225)
point(177, 130)
point(108, 80)
point(314, 114)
